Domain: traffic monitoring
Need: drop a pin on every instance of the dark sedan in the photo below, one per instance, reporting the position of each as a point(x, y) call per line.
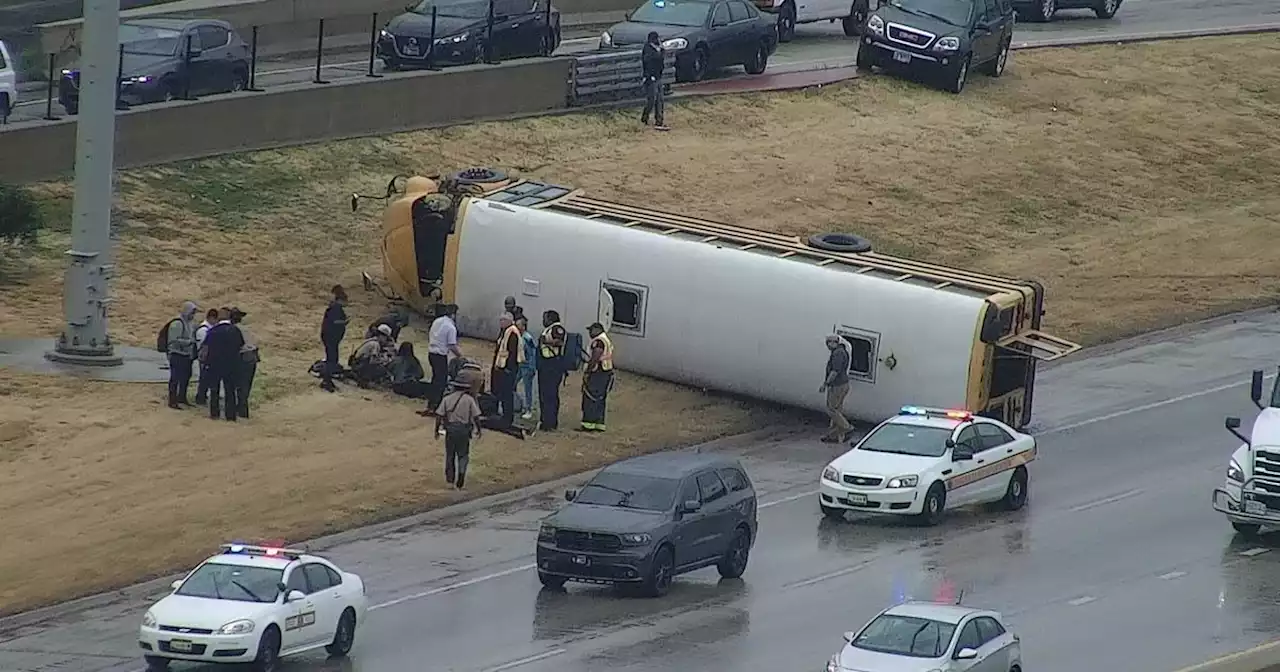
point(455, 32)
point(164, 59)
point(704, 34)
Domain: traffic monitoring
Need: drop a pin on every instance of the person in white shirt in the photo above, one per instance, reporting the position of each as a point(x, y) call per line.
point(202, 387)
point(442, 342)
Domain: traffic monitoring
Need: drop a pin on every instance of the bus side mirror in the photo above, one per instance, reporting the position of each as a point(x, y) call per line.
point(1233, 426)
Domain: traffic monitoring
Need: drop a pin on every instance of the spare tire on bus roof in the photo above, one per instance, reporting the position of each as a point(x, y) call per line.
point(479, 176)
point(840, 242)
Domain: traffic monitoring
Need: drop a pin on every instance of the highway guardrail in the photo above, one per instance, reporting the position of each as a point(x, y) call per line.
point(612, 75)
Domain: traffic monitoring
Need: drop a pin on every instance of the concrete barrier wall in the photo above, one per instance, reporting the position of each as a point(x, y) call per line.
point(250, 121)
point(285, 20)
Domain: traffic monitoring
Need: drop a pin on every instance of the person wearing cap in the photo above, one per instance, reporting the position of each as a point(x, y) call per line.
point(652, 60)
point(370, 361)
point(597, 379)
point(442, 343)
point(551, 370)
point(223, 344)
point(508, 355)
point(180, 348)
point(249, 359)
point(509, 306)
point(333, 328)
point(394, 318)
point(836, 387)
point(457, 418)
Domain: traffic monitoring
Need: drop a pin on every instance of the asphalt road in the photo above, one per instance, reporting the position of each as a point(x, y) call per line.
point(824, 45)
point(1118, 563)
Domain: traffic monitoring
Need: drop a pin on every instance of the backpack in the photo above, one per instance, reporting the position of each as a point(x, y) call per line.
point(162, 339)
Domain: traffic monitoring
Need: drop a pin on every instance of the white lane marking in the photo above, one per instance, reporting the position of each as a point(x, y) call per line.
point(1145, 407)
point(1106, 500)
point(526, 660)
point(829, 575)
point(1254, 551)
point(1081, 600)
point(1171, 575)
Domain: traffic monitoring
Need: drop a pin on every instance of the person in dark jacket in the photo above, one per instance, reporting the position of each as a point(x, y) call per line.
point(249, 358)
point(394, 318)
point(407, 374)
point(222, 355)
point(652, 60)
point(333, 329)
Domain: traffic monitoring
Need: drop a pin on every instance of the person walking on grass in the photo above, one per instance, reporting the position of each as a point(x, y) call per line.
point(652, 61)
point(457, 419)
point(836, 387)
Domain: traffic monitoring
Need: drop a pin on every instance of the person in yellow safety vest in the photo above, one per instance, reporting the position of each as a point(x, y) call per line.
point(507, 358)
point(551, 370)
point(597, 379)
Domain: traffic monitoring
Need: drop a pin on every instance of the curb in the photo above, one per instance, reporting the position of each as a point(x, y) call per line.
point(1261, 658)
point(1155, 36)
point(161, 584)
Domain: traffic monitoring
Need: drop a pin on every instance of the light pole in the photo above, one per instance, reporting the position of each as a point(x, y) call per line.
point(84, 339)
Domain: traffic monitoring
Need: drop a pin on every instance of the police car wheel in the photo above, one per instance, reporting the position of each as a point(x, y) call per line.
point(344, 637)
point(1015, 495)
point(1247, 530)
point(935, 503)
point(156, 663)
point(831, 512)
point(268, 659)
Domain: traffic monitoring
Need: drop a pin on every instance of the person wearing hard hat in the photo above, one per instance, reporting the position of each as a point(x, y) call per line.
point(597, 379)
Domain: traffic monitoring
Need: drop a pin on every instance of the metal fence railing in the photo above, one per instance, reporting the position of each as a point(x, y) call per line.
point(612, 75)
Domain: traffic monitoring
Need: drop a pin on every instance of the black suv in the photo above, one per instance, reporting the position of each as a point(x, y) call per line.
point(644, 520)
point(942, 38)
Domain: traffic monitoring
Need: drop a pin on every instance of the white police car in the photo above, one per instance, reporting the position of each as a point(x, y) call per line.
point(924, 461)
point(254, 604)
point(927, 637)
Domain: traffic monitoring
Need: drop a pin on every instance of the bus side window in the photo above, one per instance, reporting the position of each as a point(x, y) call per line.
point(862, 353)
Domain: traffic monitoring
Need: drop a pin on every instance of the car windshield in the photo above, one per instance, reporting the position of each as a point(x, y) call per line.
point(629, 491)
point(906, 636)
point(687, 14)
point(954, 12)
point(465, 9)
point(907, 440)
point(233, 582)
point(149, 40)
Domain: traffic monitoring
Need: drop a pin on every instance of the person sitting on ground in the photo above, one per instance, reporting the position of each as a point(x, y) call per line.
point(372, 360)
point(407, 374)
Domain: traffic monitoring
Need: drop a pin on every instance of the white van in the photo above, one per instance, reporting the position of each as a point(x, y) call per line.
point(851, 13)
point(8, 82)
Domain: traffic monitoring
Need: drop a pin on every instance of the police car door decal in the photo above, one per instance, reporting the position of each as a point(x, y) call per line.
point(299, 621)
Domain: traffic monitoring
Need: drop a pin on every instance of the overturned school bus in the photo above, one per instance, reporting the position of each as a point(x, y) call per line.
point(717, 305)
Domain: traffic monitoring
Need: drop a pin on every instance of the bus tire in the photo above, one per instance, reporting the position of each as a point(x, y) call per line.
point(840, 242)
point(479, 176)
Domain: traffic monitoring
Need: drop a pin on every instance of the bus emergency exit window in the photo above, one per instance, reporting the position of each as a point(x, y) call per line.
point(628, 306)
point(862, 353)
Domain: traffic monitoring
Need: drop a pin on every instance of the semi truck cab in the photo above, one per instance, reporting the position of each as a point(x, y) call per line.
point(1250, 497)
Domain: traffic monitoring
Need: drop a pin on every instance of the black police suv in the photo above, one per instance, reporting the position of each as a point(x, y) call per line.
point(943, 39)
point(457, 32)
point(642, 521)
point(163, 59)
point(704, 34)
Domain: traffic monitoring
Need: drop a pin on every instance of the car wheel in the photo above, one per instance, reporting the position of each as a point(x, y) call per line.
point(546, 44)
point(997, 65)
point(1106, 9)
point(391, 64)
point(345, 636)
point(71, 108)
point(959, 75)
point(239, 80)
point(831, 512)
point(694, 68)
point(5, 106)
point(865, 60)
point(660, 573)
point(1247, 530)
point(1044, 11)
point(551, 581)
point(935, 505)
point(787, 23)
point(1015, 495)
point(734, 562)
point(268, 658)
point(857, 19)
point(156, 663)
point(760, 61)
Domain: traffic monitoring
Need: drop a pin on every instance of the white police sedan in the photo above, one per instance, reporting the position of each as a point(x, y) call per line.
point(925, 461)
point(928, 637)
point(254, 604)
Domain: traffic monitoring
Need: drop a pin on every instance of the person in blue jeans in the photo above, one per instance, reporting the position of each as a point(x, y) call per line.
point(528, 370)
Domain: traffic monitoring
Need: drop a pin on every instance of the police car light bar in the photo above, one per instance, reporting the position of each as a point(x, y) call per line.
point(936, 412)
point(265, 551)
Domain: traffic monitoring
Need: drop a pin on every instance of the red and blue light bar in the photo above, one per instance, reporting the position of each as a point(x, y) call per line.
point(924, 411)
point(237, 548)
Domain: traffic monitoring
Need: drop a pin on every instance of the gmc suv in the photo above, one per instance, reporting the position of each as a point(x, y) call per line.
point(642, 521)
point(944, 39)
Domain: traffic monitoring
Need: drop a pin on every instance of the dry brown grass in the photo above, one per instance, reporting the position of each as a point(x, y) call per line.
point(1137, 182)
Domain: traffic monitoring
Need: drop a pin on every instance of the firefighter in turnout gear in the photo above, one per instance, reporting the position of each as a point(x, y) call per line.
point(597, 379)
point(551, 371)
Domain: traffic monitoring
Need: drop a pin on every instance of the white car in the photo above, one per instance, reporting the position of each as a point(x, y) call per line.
point(254, 604)
point(8, 82)
point(925, 461)
point(927, 637)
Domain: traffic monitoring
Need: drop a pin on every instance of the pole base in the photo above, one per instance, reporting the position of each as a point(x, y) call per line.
point(84, 357)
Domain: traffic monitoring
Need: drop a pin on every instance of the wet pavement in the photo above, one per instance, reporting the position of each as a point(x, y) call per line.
point(1118, 563)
